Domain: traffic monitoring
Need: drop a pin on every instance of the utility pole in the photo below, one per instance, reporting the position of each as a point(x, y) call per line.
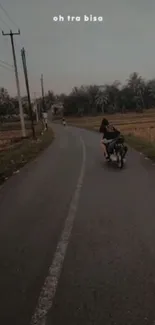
point(11, 34)
point(28, 89)
point(37, 115)
point(42, 90)
point(45, 117)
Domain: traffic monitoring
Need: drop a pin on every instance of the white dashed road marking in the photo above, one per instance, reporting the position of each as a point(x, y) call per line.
point(50, 286)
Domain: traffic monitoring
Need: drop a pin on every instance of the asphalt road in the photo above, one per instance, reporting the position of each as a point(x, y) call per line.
point(104, 271)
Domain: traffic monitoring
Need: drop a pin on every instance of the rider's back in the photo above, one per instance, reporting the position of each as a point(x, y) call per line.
point(109, 132)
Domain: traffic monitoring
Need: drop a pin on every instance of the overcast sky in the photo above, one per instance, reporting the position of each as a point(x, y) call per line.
point(70, 54)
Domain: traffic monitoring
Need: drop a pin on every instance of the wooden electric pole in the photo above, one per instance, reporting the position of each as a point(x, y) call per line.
point(36, 108)
point(11, 34)
point(28, 90)
point(43, 96)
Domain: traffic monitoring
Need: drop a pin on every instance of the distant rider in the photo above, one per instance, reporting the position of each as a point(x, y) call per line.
point(63, 121)
point(110, 135)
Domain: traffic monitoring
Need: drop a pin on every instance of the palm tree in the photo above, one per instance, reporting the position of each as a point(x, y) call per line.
point(92, 92)
point(4, 96)
point(102, 99)
point(5, 102)
point(137, 85)
point(151, 89)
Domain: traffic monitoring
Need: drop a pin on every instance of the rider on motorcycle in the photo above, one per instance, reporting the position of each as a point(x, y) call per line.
point(109, 138)
point(63, 121)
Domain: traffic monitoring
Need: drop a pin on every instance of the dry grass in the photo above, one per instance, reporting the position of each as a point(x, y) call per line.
point(18, 155)
point(10, 134)
point(141, 125)
point(15, 151)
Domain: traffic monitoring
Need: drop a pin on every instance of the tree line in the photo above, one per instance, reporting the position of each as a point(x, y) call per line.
point(136, 94)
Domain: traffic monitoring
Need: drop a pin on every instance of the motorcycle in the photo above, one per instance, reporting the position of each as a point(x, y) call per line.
point(64, 122)
point(119, 152)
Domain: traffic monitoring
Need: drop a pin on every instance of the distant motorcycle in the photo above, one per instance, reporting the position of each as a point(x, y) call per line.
point(64, 122)
point(119, 152)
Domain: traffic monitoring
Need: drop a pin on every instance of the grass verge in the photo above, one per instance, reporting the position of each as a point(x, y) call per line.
point(142, 145)
point(16, 157)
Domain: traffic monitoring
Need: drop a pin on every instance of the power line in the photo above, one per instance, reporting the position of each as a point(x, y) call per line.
point(6, 24)
point(5, 67)
point(6, 63)
point(6, 13)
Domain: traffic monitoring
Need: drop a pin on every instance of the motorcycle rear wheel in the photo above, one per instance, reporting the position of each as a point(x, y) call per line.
point(120, 161)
